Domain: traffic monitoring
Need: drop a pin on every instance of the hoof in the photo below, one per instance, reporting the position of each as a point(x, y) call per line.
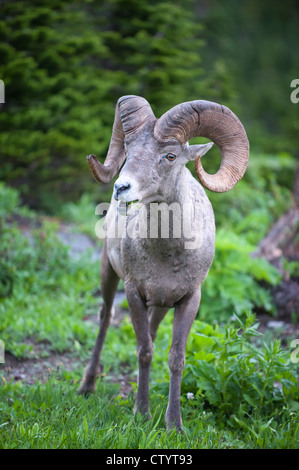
point(88, 382)
point(178, 428)
point(174, 422)
point(144, 412)
point(86, 389)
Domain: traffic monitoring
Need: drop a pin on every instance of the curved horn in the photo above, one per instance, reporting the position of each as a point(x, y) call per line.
point(218, 123)
point(131, 113)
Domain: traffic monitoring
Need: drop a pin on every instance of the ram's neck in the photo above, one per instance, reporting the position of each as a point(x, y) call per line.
point(179, 192)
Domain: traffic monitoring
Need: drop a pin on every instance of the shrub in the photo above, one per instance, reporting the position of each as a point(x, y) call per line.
point(231, 374)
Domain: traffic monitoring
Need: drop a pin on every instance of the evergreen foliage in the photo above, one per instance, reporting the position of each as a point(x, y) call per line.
point(65, 64)
point(256, 41)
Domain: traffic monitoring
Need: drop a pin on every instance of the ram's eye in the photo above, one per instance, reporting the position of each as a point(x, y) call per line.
point(171, 157)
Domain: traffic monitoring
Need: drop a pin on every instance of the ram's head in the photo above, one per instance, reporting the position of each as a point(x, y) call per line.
point(156, 149)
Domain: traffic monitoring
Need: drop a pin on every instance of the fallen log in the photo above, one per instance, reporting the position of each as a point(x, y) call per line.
point(282, 244)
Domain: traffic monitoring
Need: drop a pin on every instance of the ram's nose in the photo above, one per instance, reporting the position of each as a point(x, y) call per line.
point(120, 188)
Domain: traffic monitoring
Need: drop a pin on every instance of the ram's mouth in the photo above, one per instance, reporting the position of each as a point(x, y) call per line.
point(124, 206)
point(130, 203)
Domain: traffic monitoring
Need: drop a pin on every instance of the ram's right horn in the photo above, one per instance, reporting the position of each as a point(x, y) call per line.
point(221, 126)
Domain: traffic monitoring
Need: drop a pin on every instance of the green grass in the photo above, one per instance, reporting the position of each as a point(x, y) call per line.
point(54, 416)
point(235, 401)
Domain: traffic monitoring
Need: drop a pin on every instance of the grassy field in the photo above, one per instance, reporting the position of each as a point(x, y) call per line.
point(239, 390)
point(227, 403)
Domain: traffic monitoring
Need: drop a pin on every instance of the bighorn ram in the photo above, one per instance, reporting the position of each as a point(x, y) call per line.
point(160, 273)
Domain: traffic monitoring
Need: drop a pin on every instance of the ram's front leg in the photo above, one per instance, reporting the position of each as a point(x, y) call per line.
point(140, 319)
point(184, 315)
point(109, 282)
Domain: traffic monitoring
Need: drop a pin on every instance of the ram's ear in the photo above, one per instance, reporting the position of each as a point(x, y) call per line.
point(198, 150)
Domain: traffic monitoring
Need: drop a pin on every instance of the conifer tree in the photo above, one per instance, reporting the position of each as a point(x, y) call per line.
point(65, 63)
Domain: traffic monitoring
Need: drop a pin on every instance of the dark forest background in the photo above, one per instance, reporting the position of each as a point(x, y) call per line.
point(65, 64)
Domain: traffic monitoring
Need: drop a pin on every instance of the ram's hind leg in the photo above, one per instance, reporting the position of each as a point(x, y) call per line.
point(109, 282)
point(156, 316)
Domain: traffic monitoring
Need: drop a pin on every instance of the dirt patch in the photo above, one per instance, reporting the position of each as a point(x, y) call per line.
point(31, 370)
